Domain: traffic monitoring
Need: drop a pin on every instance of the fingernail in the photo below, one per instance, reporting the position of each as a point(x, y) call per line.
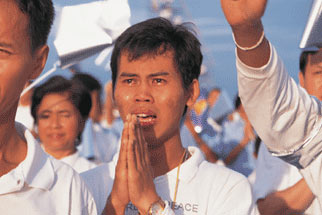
point(128, 116)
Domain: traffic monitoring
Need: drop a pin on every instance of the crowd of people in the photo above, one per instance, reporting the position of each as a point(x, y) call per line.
point(157, 143)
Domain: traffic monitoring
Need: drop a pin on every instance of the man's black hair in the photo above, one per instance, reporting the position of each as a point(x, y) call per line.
point(156, 36)
point(78, 95)
point(41, 15)
point(304, 57)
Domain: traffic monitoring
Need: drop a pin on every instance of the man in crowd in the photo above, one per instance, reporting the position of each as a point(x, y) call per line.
point(278, 183)
point(31, 182)
point(155, 68)
point(286, 118)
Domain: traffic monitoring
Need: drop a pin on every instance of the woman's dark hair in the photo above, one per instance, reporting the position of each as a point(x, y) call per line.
point(155, 37)
point(78, 95)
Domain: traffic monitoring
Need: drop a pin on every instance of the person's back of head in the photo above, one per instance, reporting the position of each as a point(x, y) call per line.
point(88, 81)
point(94, 87)
point(155, 37)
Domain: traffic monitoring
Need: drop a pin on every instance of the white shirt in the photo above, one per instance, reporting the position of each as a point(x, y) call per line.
point(79, 163)
point(42, 185)
point(273, 174)
point(285, 116)
point(23, 115)
point(204, 188)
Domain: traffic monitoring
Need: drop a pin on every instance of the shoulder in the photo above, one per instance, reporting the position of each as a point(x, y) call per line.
point(220, 174)
point(75, 192)
point(226, 188)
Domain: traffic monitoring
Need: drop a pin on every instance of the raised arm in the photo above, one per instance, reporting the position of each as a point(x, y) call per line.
point(244, 17)
point(282, 113)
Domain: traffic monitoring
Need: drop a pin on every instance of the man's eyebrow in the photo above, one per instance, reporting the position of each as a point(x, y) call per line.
point(127, 74)
point(160, 74)
point(64, 111)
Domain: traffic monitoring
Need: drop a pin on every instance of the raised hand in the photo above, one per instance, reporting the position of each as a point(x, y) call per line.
point(244, 17)
point(142, 191)
point(240, 12)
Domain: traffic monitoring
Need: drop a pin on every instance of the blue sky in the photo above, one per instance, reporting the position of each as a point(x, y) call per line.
point(284, 22)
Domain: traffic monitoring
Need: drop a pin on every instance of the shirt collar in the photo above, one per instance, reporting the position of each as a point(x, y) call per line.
point(37, 168)
point(188, 168)
point(71, 159)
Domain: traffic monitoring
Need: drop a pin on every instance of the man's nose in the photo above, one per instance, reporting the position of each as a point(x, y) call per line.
point(143, 93)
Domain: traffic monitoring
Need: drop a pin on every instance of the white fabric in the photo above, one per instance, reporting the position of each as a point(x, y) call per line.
point(42, 185)
point(100, 182)
point(98, 142)
point(23, 116)
point(79, 163)
point(106, 143)
point(286, 118)
point(273, 174)
point(204, 188)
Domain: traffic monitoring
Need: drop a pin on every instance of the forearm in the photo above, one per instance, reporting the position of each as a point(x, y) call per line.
point(287, 201)
point(288, 115)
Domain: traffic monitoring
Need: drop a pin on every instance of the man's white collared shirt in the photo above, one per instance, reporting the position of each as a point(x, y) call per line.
point(41, 184)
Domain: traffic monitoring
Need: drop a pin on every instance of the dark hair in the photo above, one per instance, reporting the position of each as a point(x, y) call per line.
point(87, 81)
point(78, 95)
point(155, 37)
point(41, 15)
point(304, 60)
point(237, 102)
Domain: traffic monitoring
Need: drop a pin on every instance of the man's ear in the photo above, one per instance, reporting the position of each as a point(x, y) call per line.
point(40, 57)
point(193, 93)
point(301, 79)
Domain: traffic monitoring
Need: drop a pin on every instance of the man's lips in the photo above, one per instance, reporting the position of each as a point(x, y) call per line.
point(147, 118)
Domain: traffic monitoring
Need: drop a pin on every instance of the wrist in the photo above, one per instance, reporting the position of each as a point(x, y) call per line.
point(118, 206)
point(157, 208)
point(146, 204)
point(248, 34)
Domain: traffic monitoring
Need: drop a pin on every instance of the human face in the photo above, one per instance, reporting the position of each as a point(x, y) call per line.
point(59, 123)
point(312, 80)
point(152, 88)
point(17, 62)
